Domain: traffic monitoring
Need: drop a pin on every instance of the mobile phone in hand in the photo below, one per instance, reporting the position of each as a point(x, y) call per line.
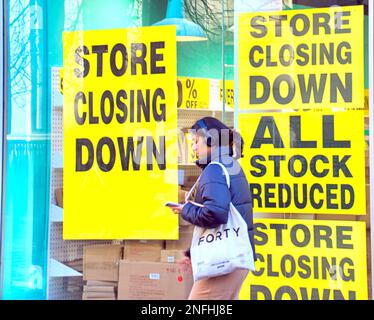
point(172, 204)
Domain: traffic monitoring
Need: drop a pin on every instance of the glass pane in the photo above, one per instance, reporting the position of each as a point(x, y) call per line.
point(33, 247)
point(27, 158)
point(325, 140)
point(283, 49)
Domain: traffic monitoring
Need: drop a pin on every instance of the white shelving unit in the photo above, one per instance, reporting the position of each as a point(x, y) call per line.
point(57, 160)
point(64, 282)
point(56, 213)
point(57, 269)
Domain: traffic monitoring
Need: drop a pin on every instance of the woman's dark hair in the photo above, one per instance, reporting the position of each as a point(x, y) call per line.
point(218, 134)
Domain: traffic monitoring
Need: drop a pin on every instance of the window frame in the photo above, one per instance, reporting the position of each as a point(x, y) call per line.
point(3, 97)
point(371, 131)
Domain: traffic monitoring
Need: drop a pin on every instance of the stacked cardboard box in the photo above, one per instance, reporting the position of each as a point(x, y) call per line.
point(59, 197)
point(183, 223)
point(101, 262)
point(149, 272)
point(144, 280)
point(100, 271)
point(139, 269)
point(100, 290)
point(76, 264)
point(185, 237)
point(143, 250)
point(172, 256)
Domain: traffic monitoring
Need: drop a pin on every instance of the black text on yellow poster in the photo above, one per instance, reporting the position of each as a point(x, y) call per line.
point(229, 92)
point(301, 59)
point(305, 162)
point(120, 134)
point(308, 260)
point(193, 93)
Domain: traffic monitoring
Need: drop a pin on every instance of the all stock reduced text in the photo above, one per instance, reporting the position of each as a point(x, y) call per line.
point(284, 172)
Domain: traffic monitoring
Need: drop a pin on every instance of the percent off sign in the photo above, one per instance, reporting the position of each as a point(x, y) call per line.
point(193, 93)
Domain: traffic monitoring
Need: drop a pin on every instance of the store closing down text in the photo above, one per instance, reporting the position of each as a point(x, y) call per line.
point(318, 25)
point(121, 107)
point(302, 293)
point(119, 59)
point(130, 149)
point(309, 87)
point(300, 30)
point(313, 255)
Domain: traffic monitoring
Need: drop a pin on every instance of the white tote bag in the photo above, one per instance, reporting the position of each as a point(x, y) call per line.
point(219, 251)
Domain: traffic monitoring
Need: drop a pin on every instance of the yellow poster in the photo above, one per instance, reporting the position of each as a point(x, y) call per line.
point(229, 92)
point(120, 134)
point(305, 162)
point(193, 93)
point(301, 59)
point(308, 260)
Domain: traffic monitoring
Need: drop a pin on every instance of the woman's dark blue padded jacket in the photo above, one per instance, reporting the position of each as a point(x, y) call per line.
point(212, 192)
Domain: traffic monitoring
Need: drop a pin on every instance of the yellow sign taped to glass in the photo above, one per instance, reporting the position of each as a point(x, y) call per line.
point(120, 134)
point(308, 260)
point(229, 92)
point(193, 93)
point(305, 162)
point(310, 58)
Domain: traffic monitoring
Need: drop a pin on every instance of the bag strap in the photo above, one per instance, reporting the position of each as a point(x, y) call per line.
point(228, 184)
point(188, 194)
point(224, 170)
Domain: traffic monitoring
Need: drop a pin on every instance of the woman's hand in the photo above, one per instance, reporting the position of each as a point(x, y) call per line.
point(185, 265)
point(177, 209)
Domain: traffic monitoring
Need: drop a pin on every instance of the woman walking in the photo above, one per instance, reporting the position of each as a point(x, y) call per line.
point(208, 202)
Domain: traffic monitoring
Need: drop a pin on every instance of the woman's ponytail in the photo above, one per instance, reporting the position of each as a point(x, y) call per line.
point(236, 144)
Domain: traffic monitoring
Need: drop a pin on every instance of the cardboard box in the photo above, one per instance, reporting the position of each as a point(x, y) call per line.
point(59, 197)
point(171, 256)
point(189, 181)
point(76, 264)
point(181, 199)
point(100, 292)
point(102, 283)
point(143, 250)
point(181, 194)
point(97, 289)
point(185, 237)
point(101, 262)
point(98, 296)
point(152, 281)
point(183, 223)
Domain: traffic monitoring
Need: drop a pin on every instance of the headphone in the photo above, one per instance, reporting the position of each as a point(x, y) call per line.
point(207, 137)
